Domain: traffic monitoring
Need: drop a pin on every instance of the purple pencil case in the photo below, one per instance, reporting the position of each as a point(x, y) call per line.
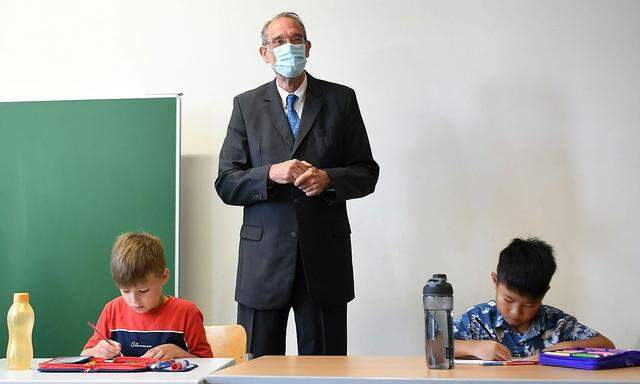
point(591, 358)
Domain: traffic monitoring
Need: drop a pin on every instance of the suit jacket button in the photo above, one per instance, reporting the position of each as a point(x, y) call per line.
point(297, 201)
point(294, 234)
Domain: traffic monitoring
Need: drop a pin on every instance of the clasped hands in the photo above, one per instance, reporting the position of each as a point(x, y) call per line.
point(309, 179)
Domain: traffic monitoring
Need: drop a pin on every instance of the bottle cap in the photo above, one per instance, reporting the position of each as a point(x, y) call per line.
point(22, 297)
point(438, 286)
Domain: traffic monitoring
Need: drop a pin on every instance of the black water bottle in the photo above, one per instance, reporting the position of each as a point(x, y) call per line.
point(437, 296)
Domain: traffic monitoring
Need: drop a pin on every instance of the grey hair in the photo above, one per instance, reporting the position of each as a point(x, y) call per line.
point(291, 15)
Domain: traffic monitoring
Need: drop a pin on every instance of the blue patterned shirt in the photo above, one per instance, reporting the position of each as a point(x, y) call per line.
point(549, 327)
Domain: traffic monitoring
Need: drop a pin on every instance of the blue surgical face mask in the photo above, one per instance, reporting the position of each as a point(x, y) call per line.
point(290, 59)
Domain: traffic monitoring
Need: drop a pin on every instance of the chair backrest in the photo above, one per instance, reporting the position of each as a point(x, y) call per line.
point(227, 341)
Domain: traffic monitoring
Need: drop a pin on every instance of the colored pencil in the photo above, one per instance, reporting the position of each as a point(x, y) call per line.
point(101, 335)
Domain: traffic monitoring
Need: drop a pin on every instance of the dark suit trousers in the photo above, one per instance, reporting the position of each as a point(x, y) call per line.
point(320, 331)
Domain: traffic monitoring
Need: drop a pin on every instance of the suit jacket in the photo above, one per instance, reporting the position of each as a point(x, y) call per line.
point(276, 219)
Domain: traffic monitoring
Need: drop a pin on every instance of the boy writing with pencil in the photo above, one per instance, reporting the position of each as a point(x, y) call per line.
point(142, 321)
point(516, 323)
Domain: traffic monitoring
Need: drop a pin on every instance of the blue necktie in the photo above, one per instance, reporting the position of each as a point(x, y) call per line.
point(292, 115)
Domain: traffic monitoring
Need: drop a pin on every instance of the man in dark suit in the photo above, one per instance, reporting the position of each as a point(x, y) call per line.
point(296, 149)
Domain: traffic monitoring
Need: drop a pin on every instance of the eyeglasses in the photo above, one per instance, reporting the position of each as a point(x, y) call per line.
point(278, 42)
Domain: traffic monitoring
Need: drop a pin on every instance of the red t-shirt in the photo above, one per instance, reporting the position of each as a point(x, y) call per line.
point(176, 321)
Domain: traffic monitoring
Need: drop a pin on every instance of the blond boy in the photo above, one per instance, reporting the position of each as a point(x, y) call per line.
point(143, 321)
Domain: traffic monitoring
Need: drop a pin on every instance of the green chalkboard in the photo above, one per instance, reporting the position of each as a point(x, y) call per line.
point(74, 175)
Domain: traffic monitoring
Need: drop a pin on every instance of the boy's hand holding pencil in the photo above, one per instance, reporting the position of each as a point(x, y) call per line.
point(105, 348)
point(490, 349)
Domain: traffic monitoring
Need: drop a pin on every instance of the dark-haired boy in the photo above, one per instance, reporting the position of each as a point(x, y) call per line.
point(517, 324)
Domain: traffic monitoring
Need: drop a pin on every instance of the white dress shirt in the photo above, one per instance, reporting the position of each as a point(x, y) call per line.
point(300, 92)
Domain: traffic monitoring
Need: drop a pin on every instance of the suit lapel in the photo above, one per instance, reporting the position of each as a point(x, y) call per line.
point(273, 105)
point(312, 106)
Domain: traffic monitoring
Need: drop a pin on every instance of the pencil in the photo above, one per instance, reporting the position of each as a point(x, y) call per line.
point(101, 335)
point(509, 362)
point(493, 336)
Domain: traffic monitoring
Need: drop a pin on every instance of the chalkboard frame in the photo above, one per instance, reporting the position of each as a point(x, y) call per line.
point(174, 261)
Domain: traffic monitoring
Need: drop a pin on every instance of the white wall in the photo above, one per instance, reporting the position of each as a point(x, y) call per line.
point(489, 119)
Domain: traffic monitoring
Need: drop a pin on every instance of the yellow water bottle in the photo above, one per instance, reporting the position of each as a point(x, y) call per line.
point(20, 321)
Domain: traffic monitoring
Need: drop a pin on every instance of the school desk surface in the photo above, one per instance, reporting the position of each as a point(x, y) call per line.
point(205, 367)
point(403, 370)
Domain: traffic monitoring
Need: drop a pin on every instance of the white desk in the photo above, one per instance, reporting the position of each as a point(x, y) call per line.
point(403, 370)
point(205, 367)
